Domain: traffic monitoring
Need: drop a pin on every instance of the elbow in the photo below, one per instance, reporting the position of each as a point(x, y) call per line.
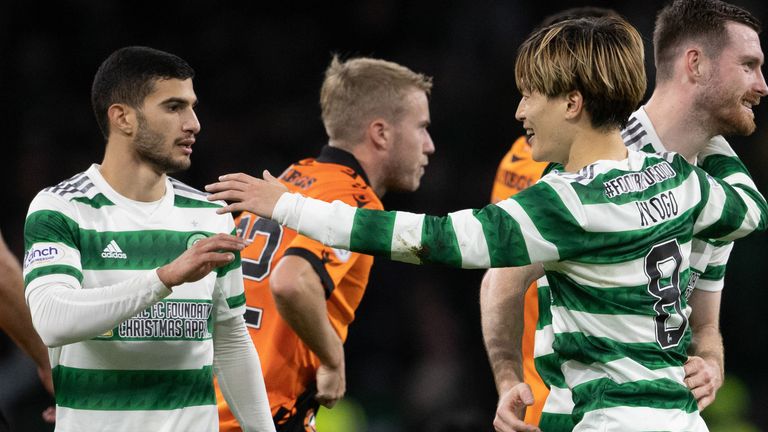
point(284, 289)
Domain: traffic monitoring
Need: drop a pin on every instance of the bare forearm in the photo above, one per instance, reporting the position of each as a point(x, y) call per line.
point(308, 317)
point(502, 296)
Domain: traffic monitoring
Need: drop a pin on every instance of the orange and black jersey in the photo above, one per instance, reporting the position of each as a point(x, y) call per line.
point(287, 363)
point(517, 171)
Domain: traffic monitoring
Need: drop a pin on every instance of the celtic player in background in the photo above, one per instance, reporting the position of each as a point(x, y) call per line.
point(613, 228)
point(132, 279)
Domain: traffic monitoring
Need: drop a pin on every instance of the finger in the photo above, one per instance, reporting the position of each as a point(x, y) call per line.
point(220, 242)
point(705, 402)
point(526, 395)
point(222, 186)
point(231, 208)
point(269, 177)
point(326, 401)
point(217, 259)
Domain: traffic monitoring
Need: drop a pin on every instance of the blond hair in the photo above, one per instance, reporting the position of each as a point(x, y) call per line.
point(359, 90)
point(600, 57)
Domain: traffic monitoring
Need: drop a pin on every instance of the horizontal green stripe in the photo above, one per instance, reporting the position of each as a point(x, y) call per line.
point(722, 166)
point(548, 367)
point(438, 242)
point(612, 248)
point(133, 390)
point(372, 232)
point(713, 273)
point(98, 201)
point(589, 349)
point(545, 301)
point(589, 194)
point(606, 393)
point(143, 249)
point(504, 237)
point(556, 422)
point(185, 202)
point(46, 226)
point(632, 300)
point(53, 269)
point(236, 301)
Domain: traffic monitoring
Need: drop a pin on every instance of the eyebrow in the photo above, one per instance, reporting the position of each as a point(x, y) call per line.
point(178, 100)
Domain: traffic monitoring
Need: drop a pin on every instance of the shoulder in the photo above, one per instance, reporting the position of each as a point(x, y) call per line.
point(63, 196)
point(188, 197)
point(329, 182)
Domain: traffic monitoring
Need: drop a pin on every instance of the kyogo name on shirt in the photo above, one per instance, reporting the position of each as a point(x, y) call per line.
point(639, 181)
point(661, 207)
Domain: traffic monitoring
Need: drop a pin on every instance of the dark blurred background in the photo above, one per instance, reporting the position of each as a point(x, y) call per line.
point(415, 358)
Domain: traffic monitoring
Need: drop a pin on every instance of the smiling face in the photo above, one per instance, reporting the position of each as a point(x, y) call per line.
point(545, 126)
point(412, 145)
point(167, 126)
point(735, 84)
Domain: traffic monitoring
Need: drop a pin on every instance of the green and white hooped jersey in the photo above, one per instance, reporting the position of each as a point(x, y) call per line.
point(154, 370)
point(614, 239)
point(707, 263)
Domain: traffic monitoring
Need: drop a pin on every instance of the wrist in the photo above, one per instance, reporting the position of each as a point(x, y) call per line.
point(164, 274)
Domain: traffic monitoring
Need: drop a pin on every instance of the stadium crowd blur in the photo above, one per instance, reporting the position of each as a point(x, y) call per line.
point(415, 358)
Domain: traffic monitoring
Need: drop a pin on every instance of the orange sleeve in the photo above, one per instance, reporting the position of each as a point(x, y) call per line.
point(516, 171)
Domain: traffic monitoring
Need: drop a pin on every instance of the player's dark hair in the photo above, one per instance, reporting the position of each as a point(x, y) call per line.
point(128, 76)
point(702, 21)
point(575, 13)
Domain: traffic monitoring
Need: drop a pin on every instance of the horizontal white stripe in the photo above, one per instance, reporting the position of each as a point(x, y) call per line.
point(559, 401)
point(740, 178)
point(137, 355)
point(629, 273)
point(629, 419)
point(407, 231)
point(471, 240)
point(328, 223)
point(620, 328)
point(539, 249)
point(710, 286)
point(621, 371)
point(543, 340)
point(614, 218)
point(194, 419)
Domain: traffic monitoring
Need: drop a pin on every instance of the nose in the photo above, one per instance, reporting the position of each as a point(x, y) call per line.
point(761, 88)
point(429, 145)
point(520, 113)
point(191, 123)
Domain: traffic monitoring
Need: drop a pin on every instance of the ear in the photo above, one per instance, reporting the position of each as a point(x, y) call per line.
point(379, 133)
point(122, 119)
point(574, 104)
point(695, 65)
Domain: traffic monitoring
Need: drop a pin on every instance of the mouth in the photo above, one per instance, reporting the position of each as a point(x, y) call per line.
point(186, 145)
point(529, 134)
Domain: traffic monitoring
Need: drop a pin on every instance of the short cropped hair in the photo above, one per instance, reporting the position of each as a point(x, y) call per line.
point(702, 21)
point(601, 57)
point(128, 76)
point(358, 90)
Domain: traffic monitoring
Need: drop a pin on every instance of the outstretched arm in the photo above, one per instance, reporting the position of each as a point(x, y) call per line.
point(502, 235)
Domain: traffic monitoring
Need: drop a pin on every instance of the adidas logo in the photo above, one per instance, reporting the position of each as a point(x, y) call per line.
point(113, 251)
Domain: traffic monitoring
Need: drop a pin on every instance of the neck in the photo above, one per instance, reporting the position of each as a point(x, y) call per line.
point(679, 125)
point(129, 176)
point(591, 145)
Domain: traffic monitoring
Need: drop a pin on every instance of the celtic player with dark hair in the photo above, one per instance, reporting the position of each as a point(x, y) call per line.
point(613, 227)
point(132, 279)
